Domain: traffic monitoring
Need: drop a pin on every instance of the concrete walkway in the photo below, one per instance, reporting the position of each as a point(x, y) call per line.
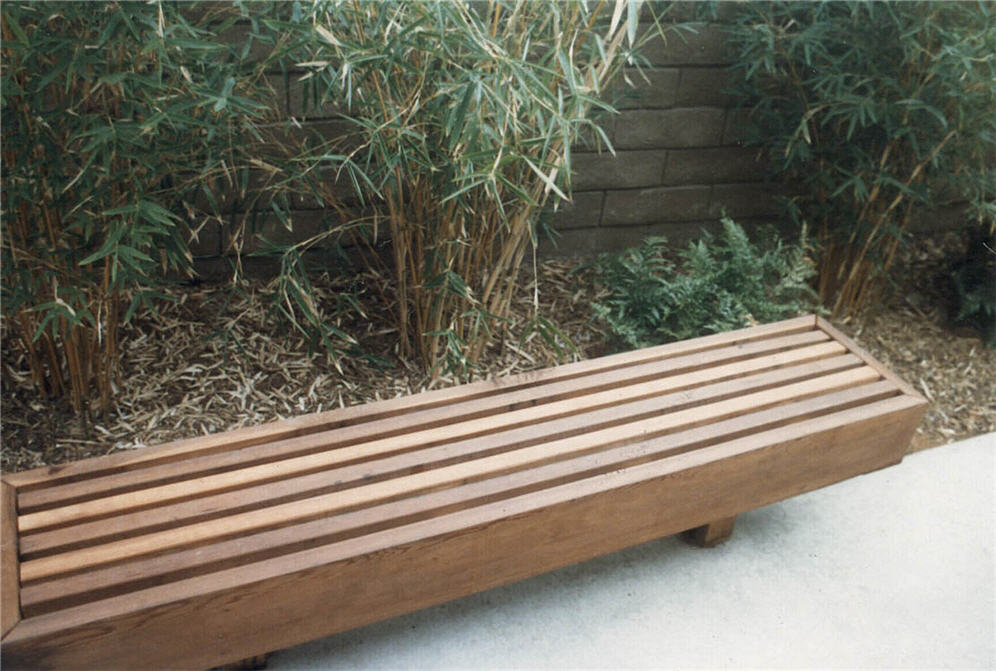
point(891, 569)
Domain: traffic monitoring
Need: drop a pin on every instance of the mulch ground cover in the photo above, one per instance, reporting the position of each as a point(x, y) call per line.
point(215, 359)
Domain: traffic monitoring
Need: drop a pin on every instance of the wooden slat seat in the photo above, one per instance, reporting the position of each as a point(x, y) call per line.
point(206, 551)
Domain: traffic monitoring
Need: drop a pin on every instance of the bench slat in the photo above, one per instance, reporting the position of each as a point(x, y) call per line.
point(828, 328)
point(460, 473)
point(9, 563)
point(530, 417)
point(341, 417)
point(281, 430)
point(211, 483)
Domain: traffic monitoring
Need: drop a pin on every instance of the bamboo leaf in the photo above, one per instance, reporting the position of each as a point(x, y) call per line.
point(617, 12)
point(548, 180)
point(14, 25)
point(632, 20)
point(327, 35)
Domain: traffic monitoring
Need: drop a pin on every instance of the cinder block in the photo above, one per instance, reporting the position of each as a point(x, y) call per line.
point(648, 206)
point(704, 87)
point(240, 34)
point(589, 139)
point(584, 211)
point(625, 170)
point(689, 12)
point(589, 242)
point(722, 11)
point(745, 200)
point(680, 233)
point(647, 88)
point(717, 165)
point(224, 196)
point(316, 132)
point(734, 130)
point(950, 217)
point(707, 46)
point(727, 10)
point(305, 224)
point(664, 129)
point(341, 189)
point(264, 186)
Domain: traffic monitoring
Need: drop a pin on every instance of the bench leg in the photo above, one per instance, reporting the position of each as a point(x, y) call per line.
point(712, 534)
point(248, 664)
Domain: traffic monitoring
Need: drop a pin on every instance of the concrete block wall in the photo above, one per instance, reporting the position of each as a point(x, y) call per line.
point(679, 161)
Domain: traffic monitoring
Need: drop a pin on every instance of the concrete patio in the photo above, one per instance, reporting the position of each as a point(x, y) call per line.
point(891, 569)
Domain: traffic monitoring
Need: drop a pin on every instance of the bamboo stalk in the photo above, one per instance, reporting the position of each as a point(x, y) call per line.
point(855, 268)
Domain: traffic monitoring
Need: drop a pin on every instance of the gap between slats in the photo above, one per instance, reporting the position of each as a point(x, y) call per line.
point(122, 577)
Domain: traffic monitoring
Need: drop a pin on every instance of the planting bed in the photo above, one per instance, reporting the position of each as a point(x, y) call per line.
point(180, 382)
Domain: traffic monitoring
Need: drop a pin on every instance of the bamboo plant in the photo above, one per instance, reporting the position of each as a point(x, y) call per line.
point(875, 112)
point(463, 118)
point(124, 125)
point(129, 127)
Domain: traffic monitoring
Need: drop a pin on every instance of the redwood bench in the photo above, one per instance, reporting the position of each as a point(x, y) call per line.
point(202, 552)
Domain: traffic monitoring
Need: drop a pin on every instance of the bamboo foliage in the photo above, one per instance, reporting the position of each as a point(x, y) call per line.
point(877, 112)
point(129, 127)
point(463, 118)
point(123, 127)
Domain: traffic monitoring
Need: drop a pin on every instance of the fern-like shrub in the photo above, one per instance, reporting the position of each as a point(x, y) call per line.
point(716, 284)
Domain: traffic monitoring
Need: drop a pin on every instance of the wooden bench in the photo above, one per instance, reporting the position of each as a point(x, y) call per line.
point(202, 552)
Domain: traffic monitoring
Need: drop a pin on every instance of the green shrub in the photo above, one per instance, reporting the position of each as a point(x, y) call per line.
point(875, 111)
point(720, 283)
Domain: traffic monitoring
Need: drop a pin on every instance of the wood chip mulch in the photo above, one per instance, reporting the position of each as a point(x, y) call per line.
point(216, 359)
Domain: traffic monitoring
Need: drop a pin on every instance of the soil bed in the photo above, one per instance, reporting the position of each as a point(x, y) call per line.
point(214, 360)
